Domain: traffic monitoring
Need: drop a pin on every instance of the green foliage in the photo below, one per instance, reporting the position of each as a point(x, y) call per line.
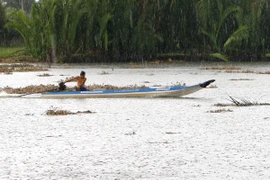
point(2, 22)
point(267, 55)
point(10, 51)
point(235, 39)
point(171, 54)
point(219, 56)
point(19, 4)
point(213, 16)
point(138, 29)
point(2, 16)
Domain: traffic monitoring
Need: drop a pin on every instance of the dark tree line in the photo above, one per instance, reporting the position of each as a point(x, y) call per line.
point(126, 30)
point(8, 36)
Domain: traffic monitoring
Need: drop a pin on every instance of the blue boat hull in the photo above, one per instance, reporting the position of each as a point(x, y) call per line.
point(174, 91)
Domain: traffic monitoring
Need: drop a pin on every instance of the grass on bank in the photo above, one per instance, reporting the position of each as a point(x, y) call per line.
point(6, 52)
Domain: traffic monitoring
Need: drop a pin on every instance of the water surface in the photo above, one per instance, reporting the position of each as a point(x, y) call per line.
point(160, 138)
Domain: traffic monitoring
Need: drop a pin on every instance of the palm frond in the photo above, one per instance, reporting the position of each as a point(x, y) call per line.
point(240, 34)
point(219, 56)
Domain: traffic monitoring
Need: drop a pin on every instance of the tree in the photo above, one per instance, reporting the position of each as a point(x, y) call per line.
point(2, 16)
point(2, 22)
point(218, 20)
point(24, 5)
point(138, 29)
point(54, 27)
point(176, 21)
point(253, 18)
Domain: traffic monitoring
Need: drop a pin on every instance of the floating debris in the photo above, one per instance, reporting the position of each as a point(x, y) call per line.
point(44, 75)
point(220, 111)
point(18, 67)
point(8, 73)
point(29, 114)
point(223, 105)
point(104, 73)
point(173, 133)
point(242, 71)
point(130, 133)
point(221, 68)
point(265, 72)
point(53, 111)
point(241, 79)
point(84, 112)
point(249, 72)
point(58, 112)
point(232, 69)
point(156, 142)
point(146, 82)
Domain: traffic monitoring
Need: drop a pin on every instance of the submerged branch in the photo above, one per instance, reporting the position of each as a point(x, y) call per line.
point(241, 102)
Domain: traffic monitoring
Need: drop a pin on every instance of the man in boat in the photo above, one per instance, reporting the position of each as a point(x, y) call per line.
point(80, 82)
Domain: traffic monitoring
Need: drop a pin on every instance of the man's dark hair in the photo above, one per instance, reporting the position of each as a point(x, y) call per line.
point(82, 73)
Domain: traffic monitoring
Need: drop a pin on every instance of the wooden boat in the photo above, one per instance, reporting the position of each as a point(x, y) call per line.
point(173, 91)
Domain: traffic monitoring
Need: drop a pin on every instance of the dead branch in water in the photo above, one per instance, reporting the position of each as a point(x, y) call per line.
point(241, 102)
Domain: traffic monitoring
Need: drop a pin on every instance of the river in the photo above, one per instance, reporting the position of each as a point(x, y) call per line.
point(147, 138)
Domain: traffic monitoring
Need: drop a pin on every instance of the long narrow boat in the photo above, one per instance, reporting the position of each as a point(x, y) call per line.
point(173, 91)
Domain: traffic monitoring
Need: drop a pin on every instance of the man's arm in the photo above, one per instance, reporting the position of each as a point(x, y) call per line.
point(71, 79)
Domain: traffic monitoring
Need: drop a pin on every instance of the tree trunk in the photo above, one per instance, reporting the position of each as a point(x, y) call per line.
point(49, 57)
point(22, 4)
